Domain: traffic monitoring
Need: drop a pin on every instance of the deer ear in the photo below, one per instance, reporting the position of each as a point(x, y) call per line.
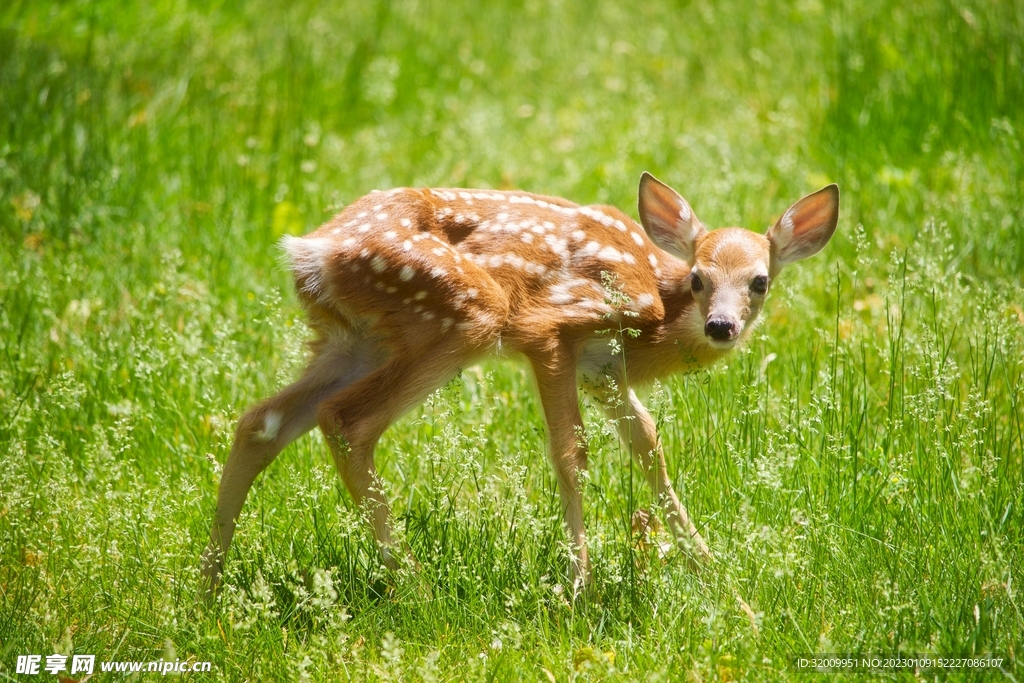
point(805, 228)
point(668, 219)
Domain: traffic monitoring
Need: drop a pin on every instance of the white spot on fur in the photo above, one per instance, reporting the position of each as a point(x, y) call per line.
point(558, 245)
point(271, 426)
point(514, 260)
point(638, 239)
point(561, 298)
point(405, 222)
point(601, 217)
point(644, 300)
point(406, 273)
point(592, 304)
point(378, 264)
point(561, 292)
point(653, 260)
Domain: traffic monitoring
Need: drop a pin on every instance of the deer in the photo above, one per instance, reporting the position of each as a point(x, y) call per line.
point(404, 288)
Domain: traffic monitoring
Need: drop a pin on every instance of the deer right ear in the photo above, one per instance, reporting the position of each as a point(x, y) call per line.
point(668, 219)
point(805, 228)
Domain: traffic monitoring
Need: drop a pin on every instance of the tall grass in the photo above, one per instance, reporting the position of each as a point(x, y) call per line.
point(857, 468)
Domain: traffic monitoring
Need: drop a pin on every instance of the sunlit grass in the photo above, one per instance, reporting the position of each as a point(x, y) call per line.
point(857, 468)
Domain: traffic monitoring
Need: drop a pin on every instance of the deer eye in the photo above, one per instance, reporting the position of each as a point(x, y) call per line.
point(759, 284)
point(696, 284)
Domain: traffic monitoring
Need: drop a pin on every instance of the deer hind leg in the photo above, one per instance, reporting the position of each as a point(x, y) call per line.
point(266, 428)
point(354, 419)
point(637, 431)
point(556, 384)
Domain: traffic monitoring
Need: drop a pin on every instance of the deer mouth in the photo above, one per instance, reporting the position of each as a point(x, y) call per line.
point(721, 345)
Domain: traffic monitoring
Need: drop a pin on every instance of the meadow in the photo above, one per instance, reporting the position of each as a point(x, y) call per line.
point(857, 469)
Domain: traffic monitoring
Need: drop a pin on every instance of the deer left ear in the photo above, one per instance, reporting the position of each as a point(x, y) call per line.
point(668, 219)
point(805, 228)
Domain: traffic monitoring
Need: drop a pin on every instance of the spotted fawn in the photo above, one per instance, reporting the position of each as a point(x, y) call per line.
point(405, 287)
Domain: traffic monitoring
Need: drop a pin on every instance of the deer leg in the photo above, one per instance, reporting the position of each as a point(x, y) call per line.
point(556, 384)
point(262, 433)
point(637, 431)
point(353, 420)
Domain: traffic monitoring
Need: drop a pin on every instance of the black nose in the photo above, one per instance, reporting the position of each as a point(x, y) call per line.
point(718, 329)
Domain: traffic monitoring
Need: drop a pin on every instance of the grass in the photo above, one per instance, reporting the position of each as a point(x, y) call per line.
point(857, 468)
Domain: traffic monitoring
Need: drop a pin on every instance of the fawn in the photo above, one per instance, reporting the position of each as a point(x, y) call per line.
point(405, 287)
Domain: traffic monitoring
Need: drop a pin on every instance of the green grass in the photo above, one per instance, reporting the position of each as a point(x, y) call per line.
point(857, 468)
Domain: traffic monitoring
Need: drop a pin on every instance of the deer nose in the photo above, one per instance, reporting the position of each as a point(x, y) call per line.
point(718, 329)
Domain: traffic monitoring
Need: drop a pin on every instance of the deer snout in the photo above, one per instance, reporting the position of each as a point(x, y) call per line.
point(721, 329)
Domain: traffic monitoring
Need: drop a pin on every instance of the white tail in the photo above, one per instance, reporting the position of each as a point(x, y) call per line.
point(405, 287)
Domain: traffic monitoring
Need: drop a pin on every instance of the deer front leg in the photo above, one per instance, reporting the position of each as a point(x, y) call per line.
point(637, 431)
point(556, 383)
